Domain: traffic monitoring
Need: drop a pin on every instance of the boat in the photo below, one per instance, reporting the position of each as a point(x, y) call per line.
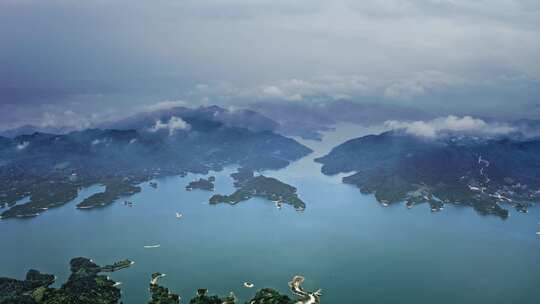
point(248, 285)
point(178, 215)
point(152, 246)
point(538, 233)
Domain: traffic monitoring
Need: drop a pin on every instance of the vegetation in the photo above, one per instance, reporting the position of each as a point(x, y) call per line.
point(161, 295)
point(84, 286)
point(117, 266)
point(203, 298)
point(242, 176)
point(203, 184)
point(114, 189)
point(485, 174)
point(261, 186)
point(270, 296)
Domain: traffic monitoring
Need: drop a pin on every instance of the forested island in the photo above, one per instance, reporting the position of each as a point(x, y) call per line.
point(86, 285)
point(114, 189)
point(269, 188)
point(162, 295)
point(202, 184)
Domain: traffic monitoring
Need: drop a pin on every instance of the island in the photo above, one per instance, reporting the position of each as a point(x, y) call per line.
point(202, 184)
point(202, 297)
point(114, 189)
point(117, 266)
point(162, 295)
point(84, 285)
point(260, 186)
point(268, 295)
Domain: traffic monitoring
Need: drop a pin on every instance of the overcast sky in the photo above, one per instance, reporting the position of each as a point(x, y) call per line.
point(73, 62)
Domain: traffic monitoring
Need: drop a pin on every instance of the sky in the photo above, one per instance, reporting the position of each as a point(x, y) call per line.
point(67, 62)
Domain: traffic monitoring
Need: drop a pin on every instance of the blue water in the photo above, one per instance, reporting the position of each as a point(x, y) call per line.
point(344, 243)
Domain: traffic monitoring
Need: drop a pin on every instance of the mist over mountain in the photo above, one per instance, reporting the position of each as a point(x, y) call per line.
point(308, 119)
point(30, 129)
point(120, 159)
point(242, 118)
point(482, 171)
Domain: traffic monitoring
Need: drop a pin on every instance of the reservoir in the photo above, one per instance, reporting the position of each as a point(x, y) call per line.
point(345, 242)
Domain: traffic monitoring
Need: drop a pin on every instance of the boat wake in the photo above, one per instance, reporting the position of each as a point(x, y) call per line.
point(152, 246)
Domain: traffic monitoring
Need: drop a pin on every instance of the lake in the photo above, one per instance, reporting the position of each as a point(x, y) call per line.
point(344, 242)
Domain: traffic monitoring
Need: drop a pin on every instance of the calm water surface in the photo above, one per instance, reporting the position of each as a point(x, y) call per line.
point(344, 243)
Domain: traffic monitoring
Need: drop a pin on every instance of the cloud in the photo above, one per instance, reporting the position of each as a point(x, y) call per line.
point(465, 124)
point(174, 123)
point(136, 53)
point(23, 145)
point(164, 105)
point(329, 86)
point(421, 83)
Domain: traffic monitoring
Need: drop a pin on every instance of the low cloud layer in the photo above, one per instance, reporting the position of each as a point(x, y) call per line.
point(174, 124)
point(451, 56)
point(465, 124)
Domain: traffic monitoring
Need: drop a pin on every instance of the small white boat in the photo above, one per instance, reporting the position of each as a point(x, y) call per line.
point(178, 215)
point(152, 246)
point(538, 233)
point(248, 285)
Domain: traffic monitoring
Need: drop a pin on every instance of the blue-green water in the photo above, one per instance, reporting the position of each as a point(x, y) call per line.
point(344, 243)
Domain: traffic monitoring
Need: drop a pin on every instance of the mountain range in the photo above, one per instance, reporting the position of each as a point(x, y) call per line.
point(485, 173)
point(51, 168)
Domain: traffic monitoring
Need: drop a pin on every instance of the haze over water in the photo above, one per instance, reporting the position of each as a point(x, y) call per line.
point(344, 243)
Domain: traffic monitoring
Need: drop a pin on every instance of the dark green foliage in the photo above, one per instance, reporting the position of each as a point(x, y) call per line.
point(16, 291)
point(261, 186)
point(161, 295)
point(393, 165)
point(84, 286)
point(203, 184)
point(270, 296)
point(114, 189)
point(117, 266)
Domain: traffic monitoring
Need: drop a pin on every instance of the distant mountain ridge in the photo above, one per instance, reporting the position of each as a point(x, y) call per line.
point(483, 173)
point(247, 119)
point(123, 158)
point(309, 119)
point(30, 129)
